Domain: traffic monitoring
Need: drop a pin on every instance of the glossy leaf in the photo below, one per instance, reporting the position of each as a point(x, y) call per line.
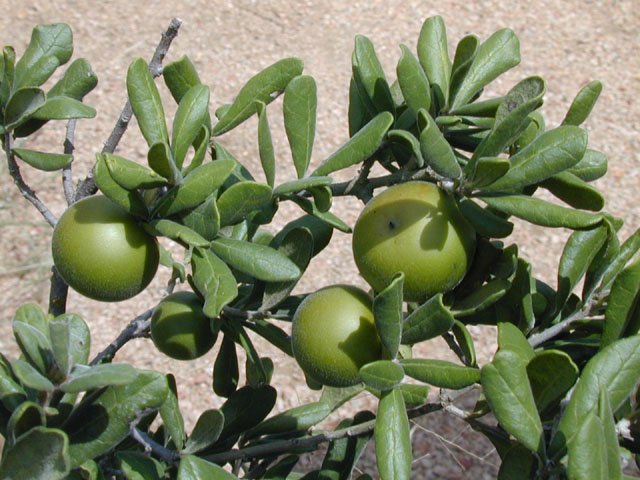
point(70, 341)
point(160, 160)
point(368, 73)
point(516, 462)
point(540, 212)
point(88, 378)
point(301, 184)
point(225, 368)
point(205, 432)
point(483, 297)
point(214, 280)
point(610, 436)
point(591, 166)
point(587, 451)
point(203, 219)
point(361, 110)
point(574, 191)
point(510, 337)
point(49, 162)
point(242, 199)
point(110, 411)
point(50, 463)
point(171, 415)
point(264, 86)
point(466, 51)
point(245, 408)
point(387, 311)
point(508, 392)
point(139, 466)
point(434, 58)
point(298, 418)
point(320, 231)
point(180, 76)
point(436, 151)
point(299, 106)
point(22, 104)
point(197, 186)
point(551, 373)
point(132, 175)
point(614, 368)
point(258, 261)
point(194, 468)
point(382, 375)
point(337, 396)
point(496, 55)
point(178, 232)
point(484, 221)
point(192, 114)
point(63, 108)
point(621, 317)
point(127, 199)
point(359, 147)
point(627, 250)
point(78, 80)
point(413, 81)
point(430, 320)
point(54, 40)
point(440, 373)
point(583, 103)
point(393, 444)
point(146, 103)
point(265, 145)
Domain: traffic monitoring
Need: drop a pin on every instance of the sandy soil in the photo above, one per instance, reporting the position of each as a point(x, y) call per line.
point(568, 43)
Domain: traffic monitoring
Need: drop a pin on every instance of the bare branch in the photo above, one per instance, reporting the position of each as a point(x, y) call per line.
point(57, 294)
point(88, 185)
point(149, 444)
point(67, 178)
point(25, 190)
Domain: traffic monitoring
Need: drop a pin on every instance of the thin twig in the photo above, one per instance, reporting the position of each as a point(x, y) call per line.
point(25, 190)
point(88, 186)
point(57, 294)
point(555, 330)
point(149, 444)
point(67, 177)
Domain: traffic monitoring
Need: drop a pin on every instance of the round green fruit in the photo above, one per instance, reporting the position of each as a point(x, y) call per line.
point(179, 327)
point(102, 252)
point(417, 229)
point(334, 334)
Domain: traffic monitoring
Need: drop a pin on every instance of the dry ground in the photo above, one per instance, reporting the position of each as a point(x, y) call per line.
point(569, 43)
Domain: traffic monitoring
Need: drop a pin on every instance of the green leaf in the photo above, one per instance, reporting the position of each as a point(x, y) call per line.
point(146, 103)
point(466, 51)
point(485, 171)
point(88, 378)
point(171, 415)
point(178, 232)
point(264, 86)
point(8, 73)
point(511, 338)
point(482, 298)
point(132, 175)
point(552, 152)
point(245, 408)
point(393, 443)
point(78, 80)
point(516, 462)
point(50, 463)
point(34, 344)
point(382, 374)
point(203, 219)
point(541, 212)
point(26, 416)
point(265, 145)
point(610, 436)
point(508, 392)
point(483, 109)
point(192, 114)
point(49, 162)
point(587, 451)
point(434, 58)
point(310, 207)
point(591, 166)
point(22, 104)
point(225, 368)
point(54, 40)
point(484, 221)
point(258, 261)
point(410, 141)
point(242, 199)
point(300, 103)
point(583, 104)
point(214, 280)
point(465, 342)
point(195, 468)
point(63, 108)
point(413, 81)
point(436, 151)
point(368, 74)
point(205, 432)
point(30, 377)
point(622, 306)
point(627, 250)
point(359, 147)
point(197, 186)
point(139, 466)
point(361, 110)
point(496, 55)
point(551, 374)
point(180, 76)
point(430, 320)
point(297, 245)
point(295, 419)
point(440, 373)
point(387, 311)
point(572, 190)
point(160, 160)
point(615, 369)
point(301, 184)
point(11, 393)
point(111, 410)
point(70, 341)
point(320, 231)
point(129, 200)
point(512, 117)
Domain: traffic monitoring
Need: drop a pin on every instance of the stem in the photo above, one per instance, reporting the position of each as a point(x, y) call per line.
point(25, 190)
point(67, 178)
point(149, 444)
point(558, 328)
point(57, 294)
point(88, 186)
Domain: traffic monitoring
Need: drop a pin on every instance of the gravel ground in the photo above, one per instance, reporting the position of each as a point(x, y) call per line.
point(568, 43)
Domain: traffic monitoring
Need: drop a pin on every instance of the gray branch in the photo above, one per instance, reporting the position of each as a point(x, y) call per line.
point(67, 177)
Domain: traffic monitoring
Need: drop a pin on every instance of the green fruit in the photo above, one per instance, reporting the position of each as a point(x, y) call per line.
point(334, 334)
point(102, 252)
point(417, 229)
point(179, 327)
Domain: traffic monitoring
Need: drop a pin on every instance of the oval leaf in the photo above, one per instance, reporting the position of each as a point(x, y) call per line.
point(551, 374)
point(430, 320)
point(98, 376)
point(368, 73)
point(434, 58)
point(298, 418)
point(146, 103)
point(393, 443)
point(382, 375)
point(131, 175)
point(195, 468)
point(299, 106)
point(265, 145)
point(192, 114)
point(440, 373)
point(413, 81)
point(387, 311)
point(49, 162)
point(436, 151)
point(242, 199)
point(51, 462)
point(205, 432)
point(214, 280)
point(622, 306)
point(583, 104)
